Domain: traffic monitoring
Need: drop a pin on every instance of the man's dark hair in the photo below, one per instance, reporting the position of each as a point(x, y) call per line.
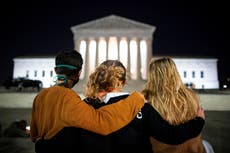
point(68, 62)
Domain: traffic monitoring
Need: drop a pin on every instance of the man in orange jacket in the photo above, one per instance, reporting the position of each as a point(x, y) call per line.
point(59, 106)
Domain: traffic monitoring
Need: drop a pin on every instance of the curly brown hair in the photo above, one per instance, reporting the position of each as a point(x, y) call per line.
point(109, 75)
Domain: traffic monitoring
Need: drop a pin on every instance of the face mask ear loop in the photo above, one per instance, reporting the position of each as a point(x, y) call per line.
point(60, 80)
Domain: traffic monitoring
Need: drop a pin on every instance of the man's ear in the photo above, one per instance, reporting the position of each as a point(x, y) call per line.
point(79, 73)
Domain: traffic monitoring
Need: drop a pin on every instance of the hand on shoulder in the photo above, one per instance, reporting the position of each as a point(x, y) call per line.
point(141, 95)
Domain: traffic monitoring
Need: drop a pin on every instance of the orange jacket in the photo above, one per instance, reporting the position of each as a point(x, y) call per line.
point(57, 107)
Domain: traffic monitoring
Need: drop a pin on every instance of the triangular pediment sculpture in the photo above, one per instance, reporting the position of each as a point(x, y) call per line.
point(113, 22)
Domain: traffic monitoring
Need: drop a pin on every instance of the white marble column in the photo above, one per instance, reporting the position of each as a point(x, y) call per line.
point(138, 60)
point(97, 51)
point(143, 58)
point(118, 47)
point(123, 51)
point(128, 58)
point(149, 50)
point(107, 47)
point(87, 61)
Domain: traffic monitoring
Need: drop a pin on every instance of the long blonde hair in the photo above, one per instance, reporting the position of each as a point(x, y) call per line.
point(167, 93)
point(109, 75)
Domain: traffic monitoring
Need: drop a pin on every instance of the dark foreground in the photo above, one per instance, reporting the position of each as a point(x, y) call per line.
point(216, 131)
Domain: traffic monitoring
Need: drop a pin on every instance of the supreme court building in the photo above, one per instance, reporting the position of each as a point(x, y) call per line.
point(115, 37)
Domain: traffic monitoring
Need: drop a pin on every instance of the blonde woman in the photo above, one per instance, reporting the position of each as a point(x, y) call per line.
point(104, 87)
point(175, 102)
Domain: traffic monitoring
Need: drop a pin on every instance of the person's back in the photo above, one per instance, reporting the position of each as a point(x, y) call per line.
point(174, 101)
point(104, 88)
point(63, 142)
point(131, 138)
point(58, 107)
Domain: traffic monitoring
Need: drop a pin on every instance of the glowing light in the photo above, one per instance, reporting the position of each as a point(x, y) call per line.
point(133, 59)
point(102, 51)
point(83, 54)
point(92, 53)
point(143, 62)
point(113, 48)
point(124, 52)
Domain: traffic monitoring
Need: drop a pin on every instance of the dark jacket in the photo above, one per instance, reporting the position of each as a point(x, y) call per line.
point(135, 137)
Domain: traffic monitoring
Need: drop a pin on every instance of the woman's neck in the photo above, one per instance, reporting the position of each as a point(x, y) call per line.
point(102, 94)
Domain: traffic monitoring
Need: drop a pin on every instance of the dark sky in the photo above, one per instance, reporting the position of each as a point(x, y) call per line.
point(183, 27)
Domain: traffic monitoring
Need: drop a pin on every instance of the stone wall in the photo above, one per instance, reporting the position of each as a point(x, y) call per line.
point(25, 100)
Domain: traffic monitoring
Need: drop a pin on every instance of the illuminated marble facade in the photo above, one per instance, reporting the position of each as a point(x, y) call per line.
point(115, 37)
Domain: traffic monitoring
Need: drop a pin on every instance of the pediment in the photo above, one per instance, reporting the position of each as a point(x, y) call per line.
point(113, 22)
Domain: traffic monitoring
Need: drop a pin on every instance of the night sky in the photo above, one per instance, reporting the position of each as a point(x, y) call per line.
point(186, 28)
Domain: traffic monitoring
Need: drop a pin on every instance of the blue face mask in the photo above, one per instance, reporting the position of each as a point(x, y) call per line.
point(62, 78)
